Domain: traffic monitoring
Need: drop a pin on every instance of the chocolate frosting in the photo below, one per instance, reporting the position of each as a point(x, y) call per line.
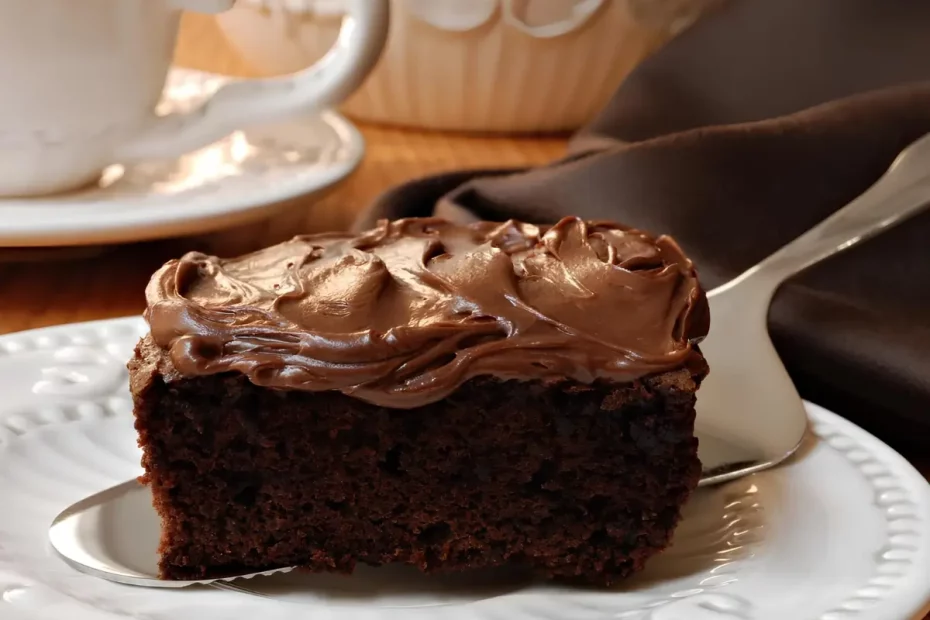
point(403, 314)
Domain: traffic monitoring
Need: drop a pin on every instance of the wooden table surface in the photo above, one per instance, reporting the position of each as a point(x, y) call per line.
point(37, 289)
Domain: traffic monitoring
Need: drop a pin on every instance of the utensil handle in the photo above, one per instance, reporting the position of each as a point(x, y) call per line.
point(249, 102)
point(903, 191)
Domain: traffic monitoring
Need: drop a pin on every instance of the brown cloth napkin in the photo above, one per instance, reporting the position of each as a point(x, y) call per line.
point(737, 137)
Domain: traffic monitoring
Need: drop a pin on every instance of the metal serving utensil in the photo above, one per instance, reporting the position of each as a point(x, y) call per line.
point(750, 416)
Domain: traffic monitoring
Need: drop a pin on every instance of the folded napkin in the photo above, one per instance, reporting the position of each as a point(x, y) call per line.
point(736, 138)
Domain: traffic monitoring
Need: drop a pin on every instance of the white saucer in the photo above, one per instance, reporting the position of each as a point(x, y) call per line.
point(242, 178)
point(840, 533)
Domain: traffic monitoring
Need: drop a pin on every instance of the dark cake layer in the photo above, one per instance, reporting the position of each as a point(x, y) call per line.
point(572, 480)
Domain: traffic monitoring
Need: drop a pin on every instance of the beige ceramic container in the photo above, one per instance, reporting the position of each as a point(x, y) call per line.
point(473, 65)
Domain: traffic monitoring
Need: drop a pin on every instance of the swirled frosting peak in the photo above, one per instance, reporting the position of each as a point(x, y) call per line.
point(403, 314)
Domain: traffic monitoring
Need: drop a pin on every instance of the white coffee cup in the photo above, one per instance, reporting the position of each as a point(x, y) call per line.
point(81, 80)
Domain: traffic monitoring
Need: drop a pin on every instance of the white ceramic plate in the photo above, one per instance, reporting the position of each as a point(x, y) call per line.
point(842, 532)
point(241, 178)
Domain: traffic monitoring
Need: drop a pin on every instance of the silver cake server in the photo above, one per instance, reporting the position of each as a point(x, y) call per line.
point(750, 416)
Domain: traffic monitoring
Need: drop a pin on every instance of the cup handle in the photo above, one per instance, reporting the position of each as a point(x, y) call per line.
point(248, 102)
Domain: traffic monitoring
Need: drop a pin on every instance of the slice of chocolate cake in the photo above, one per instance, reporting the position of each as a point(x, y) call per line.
point(445, 396)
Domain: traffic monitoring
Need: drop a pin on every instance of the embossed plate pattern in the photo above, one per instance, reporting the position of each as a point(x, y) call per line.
point(842, 532)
